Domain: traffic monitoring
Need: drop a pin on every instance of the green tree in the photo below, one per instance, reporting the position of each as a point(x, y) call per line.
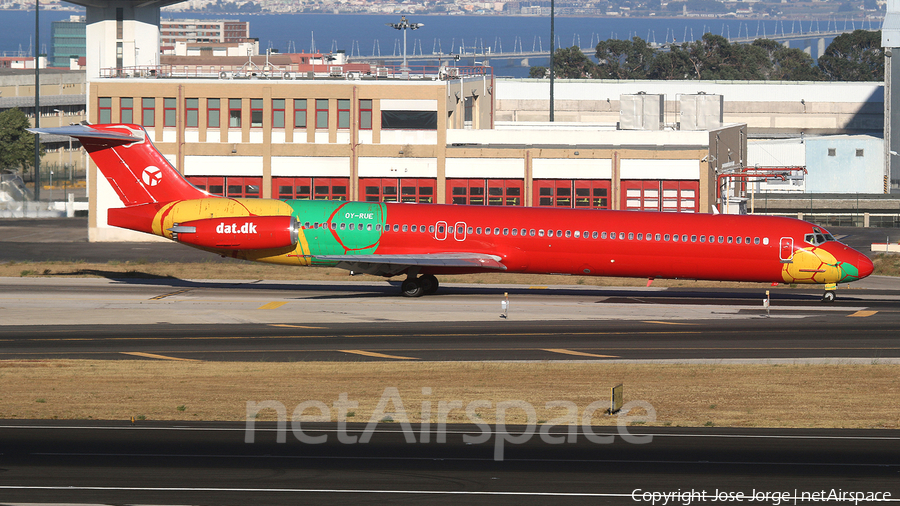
point(856, 56)
point(16, 144)
point(713, 57)
point(538, 72)
point(787, 64)
point(624, 59)
point(571, 63)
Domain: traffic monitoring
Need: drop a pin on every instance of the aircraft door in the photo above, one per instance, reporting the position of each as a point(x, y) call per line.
point(786, 251)
point(459, 231)
point(440, 230)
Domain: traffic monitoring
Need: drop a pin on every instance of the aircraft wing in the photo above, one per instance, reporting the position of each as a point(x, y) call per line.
point(390, 265)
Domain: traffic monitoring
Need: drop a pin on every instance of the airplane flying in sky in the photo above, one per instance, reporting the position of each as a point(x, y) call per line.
point(422, 241)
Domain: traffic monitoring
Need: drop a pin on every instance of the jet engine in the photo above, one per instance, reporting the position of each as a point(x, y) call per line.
point(239, 233)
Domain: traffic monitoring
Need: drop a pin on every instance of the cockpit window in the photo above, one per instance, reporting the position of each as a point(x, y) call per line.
point(818, 238)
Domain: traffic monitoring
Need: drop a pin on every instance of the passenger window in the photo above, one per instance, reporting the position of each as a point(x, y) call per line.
point(333, 225)
point(586, 234)
point(414, 228)
point(683, 237)
point(721, 239)
point(649, 236)
point(747, 240)
point(730, 239)
point(559, 233)
point(369, 227)
point(756, 240)
point(738, 239)
point(693, 238)
point(469, 230)
point(568, 233)
point(630, 236)
point(622, 235)
point(431, 228)
point(702, 238)
point(577, 234)
point(675, 238)
point(549, 233)
point(378, 227)
point(515, 231)
point(505, 231)
point(603, 235)
point(405, 227)
point(344, 225)
point(496, 230)
point(541, 233)
point(594, 235)
point(641, 236)
point(353, 224)
point(666, 237)
point(397, 228)
point(487, 230)
point(531, 232)
point(440, 229)
point(478, 230)
point(658, 237)
point(765, 241)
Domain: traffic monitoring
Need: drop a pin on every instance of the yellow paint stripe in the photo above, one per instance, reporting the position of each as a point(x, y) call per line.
point(538, 287)
point(163, 296)
point(160, 357)
point(577, 353)
point(376, 355)
point(863, 314)
point(272, 305)
point(285, 325)
point(667, 323)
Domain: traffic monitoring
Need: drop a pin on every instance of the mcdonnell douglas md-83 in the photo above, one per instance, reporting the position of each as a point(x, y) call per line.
point(421, 241)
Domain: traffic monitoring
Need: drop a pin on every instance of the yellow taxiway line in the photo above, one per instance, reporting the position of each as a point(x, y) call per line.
point(377, 355)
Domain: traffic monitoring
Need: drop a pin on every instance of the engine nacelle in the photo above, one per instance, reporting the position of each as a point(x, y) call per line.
point(240, 233)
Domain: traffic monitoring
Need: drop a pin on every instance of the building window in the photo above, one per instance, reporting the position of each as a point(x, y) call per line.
point(832, 152)
point(212, 112)
point(126, 106)
point(365, 114)
point(192, 112)
point(299, 113)
point(343, 113)
point(322, 113)
point(409, 120)
point(654, 195)
point(479, 192)
point(860, 152)
point(148, 112)
point(234, 113)
point(169, 112)
point(397, 190)
point(307, 188)
point(278, 113)
point(105, 110)
point(236, 187)
point(578, 193)
point(256, 112)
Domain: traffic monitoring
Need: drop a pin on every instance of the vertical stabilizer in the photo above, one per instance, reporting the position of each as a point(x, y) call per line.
point(137, 172)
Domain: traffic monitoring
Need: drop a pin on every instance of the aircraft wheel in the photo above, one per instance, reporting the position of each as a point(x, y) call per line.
point(412, 288)
point(829, 296)
point(429, 283)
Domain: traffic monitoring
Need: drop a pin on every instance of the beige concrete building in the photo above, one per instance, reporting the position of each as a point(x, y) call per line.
point(421, 139)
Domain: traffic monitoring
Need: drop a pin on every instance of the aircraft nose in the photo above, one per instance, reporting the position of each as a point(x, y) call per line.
point(865, 266)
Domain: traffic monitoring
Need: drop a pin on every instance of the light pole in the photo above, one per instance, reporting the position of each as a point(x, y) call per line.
point(37, 100)
point(404, 24)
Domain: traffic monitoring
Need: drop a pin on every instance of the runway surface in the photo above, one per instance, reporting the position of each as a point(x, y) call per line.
point(290, 321)
point(200, 463)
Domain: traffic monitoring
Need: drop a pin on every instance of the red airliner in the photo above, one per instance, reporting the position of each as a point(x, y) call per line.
point(424, 240)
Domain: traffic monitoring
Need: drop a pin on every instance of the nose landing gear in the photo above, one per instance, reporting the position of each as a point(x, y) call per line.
point(830, 292)
point(425, 284)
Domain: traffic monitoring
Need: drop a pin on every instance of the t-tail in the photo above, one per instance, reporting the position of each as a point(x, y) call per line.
point(137, 172)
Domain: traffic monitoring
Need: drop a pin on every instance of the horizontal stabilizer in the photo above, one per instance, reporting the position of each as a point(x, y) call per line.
point(85, 132)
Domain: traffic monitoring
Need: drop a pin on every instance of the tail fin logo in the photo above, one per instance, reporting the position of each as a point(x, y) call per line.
point(152, 176)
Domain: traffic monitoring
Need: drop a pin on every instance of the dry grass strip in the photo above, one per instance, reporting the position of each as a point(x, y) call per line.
point(841, 396)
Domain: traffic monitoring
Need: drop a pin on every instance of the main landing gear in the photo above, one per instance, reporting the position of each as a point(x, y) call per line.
point(425, 284)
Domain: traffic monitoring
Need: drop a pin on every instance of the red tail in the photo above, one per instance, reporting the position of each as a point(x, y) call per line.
point(134, 168)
